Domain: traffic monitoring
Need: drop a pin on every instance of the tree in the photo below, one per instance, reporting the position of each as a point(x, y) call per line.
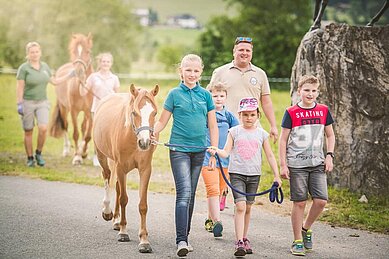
point(275, 26)
point(52, 23)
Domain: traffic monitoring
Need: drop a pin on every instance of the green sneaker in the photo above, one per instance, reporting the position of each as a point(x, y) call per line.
point(30, 162)
point(307, 238)
point(217, 229)
point(209, 225)
point(39, 160)
point(298, 248)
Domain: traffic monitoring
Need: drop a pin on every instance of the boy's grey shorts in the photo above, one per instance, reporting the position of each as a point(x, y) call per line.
point(246, 184)
point(38, 109)
point(308, 179)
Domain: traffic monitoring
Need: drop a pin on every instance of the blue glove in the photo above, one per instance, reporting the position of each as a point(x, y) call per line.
point(20, 108)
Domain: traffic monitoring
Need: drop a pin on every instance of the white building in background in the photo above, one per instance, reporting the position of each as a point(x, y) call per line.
point(185, 21)
point(143, 15)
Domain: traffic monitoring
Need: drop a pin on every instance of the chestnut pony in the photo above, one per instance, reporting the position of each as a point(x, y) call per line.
point(70, 101)
point(122, 127)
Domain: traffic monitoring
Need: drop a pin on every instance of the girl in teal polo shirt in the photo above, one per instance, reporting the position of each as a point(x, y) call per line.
point(192, 108)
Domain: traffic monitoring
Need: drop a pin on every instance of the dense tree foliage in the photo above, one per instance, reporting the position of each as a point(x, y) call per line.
point(275, 26)
point(51, 23)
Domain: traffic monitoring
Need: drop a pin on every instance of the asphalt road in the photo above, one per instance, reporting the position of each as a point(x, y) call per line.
point(41, 219)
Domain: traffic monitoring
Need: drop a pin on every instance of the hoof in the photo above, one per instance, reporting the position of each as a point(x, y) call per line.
point(123, 238)
point(84, 155)
point(116, 226)
point(107, 217)
point(77, 160)
point(145, 248)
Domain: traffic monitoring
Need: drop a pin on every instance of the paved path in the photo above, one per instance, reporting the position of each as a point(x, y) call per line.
point(40, 219)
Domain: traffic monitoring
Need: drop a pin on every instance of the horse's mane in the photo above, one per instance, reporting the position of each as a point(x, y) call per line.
point(78, 38)
point(143, 93)
point(134, 103)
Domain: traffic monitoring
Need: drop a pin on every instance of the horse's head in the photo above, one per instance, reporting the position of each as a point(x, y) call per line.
point(143, 114)
point(80, 49)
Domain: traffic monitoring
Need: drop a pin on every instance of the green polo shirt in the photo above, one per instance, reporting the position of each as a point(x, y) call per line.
point(35, 81)
point(190, 109)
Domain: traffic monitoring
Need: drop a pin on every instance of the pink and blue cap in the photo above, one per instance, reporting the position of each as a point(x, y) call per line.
point(248, 104)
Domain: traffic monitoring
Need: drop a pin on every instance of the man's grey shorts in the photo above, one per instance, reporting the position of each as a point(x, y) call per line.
point(246, 184)
point(308, 179)
point(38, 109)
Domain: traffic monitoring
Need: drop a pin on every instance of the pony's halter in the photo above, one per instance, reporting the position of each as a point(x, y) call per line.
point(83, 63)
point(139, 129)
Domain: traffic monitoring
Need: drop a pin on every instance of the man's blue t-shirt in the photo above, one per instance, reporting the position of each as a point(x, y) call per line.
point(189, 108)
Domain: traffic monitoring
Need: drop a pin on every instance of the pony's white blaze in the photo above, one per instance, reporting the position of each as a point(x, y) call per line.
point(145, 112)
point(79, 49)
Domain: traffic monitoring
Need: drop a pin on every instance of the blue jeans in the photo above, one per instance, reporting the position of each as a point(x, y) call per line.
point(186, 169)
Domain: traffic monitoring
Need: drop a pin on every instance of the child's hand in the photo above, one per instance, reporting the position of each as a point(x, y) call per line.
point(278, 180)
point(284, 171)
point(154, 137)
point(212, 150)
point(212, 162)
point(328, 163)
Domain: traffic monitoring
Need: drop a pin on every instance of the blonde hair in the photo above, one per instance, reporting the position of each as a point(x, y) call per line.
point(31, 44)
point(219, 86)
point(191, 58)
point(308, 79)
point(101, 56)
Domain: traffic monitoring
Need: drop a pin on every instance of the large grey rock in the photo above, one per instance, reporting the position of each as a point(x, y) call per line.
point(352, 64)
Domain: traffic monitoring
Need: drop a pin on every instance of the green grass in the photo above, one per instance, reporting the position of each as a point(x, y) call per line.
point(343, 208)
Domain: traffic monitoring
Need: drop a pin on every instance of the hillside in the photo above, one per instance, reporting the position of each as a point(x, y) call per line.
point(203, 10)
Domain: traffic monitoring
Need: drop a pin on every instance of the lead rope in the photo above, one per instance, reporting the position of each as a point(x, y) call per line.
point(275, 193)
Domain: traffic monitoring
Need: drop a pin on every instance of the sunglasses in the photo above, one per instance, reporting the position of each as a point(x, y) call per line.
point(243, 39)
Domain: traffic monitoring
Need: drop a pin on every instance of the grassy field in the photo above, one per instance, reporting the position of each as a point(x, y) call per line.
point(343, 208)
point(166, 8)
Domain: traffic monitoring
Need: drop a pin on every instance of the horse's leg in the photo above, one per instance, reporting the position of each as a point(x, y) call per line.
point(66, 144)
point(113, 182)
point(379, 14)
point(318, 14)
point(116, 215)
point(144, 176)
point(107, 176)
point(87, 132)
point(123, 200)
point(77, 159)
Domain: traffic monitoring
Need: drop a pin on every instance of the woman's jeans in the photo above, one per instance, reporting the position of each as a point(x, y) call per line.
point(186, 169)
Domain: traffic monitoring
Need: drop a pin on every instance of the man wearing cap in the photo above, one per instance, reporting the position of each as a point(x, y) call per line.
point(244, 79)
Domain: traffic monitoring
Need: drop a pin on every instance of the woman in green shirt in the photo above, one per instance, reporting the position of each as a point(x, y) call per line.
point(31, 93)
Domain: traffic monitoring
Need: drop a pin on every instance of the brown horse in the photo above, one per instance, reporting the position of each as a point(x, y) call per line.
point(122, 127)
point(69, 99)
point(320, 6)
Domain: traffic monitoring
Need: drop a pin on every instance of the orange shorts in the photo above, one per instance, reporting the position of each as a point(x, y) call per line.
point(214, 181)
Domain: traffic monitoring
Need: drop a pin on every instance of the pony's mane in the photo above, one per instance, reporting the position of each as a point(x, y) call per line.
point(134, 103)
point(75, 41)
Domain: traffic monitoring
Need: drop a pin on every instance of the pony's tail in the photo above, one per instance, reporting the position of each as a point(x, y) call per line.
point(57, 124)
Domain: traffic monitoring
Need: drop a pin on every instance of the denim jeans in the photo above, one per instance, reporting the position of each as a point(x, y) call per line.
point(186, 169)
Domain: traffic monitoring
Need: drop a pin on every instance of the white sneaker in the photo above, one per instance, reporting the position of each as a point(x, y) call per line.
point(182, 248)
point(95, 161)
point(190, 247)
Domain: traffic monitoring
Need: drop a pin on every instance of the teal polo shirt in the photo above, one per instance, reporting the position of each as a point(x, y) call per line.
point(189, 108)
point(35, 81)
